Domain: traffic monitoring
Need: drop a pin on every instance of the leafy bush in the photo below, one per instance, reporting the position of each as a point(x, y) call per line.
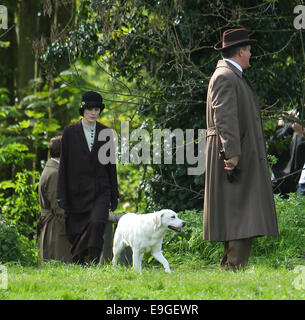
point(21, 207)
point(285, 250)
point(189, 244)
point(15, 246)
point(289, 247)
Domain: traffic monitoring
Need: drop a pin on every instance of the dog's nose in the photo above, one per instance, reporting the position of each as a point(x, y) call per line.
point(183, 223)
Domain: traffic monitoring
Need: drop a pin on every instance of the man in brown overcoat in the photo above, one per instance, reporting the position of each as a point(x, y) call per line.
point(86, 187)
point(53, 241)
point(238, 201)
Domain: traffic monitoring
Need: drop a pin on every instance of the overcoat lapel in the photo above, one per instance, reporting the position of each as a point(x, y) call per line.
point(95, 143)
point(81, 135)
point(252, 88)
point(83, 141)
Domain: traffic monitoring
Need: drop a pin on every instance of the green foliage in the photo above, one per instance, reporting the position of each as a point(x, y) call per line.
point(132, 185)
point(4, 44)
point(14, 154)
point(165, 47)
point(14, 246)
point(21, 207)
point(3, 96)
point(288, 248)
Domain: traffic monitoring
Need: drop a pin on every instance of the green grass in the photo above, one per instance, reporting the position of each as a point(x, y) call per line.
point(193, 281)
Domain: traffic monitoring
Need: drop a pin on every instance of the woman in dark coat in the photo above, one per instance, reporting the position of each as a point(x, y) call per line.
point(86, 187)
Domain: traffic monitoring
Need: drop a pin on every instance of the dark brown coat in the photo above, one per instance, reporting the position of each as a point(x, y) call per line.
point(245, 208)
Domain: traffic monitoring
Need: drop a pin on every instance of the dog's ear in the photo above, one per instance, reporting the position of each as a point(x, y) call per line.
point(158, 220)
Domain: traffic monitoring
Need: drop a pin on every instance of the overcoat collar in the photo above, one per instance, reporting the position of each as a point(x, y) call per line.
point(226, 64)
point(53, 164)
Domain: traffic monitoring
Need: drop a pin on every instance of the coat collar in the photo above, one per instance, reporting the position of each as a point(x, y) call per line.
point(235, 64)
point(226, 64)
point(53, 164)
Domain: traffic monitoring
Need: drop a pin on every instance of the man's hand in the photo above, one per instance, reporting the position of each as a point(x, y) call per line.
point(231, 163)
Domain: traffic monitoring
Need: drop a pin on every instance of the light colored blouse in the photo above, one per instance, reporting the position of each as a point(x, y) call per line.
point(89, 132)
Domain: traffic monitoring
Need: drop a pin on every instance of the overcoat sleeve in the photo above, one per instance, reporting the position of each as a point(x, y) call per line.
point(113, 181)
point(62, 172)
point(51, 192)
point(225, 106)
point(43, 187)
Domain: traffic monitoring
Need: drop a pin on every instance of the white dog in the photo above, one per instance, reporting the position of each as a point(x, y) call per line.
point(145, 233)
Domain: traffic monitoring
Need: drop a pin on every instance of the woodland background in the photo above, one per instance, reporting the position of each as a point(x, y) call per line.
point(151, 61)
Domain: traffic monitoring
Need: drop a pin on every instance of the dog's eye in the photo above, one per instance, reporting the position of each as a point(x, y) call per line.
point(173, 217)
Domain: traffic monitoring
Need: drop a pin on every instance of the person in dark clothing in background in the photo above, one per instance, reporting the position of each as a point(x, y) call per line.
point(288, 145)
point(86, 188)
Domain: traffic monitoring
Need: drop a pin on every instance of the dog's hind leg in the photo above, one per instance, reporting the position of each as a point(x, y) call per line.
point(159, 256)
point(118, 247)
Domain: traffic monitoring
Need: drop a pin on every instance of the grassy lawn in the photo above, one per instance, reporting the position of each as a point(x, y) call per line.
point(193, 281)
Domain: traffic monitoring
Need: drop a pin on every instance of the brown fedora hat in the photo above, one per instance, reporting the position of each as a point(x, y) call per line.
point(233, 38)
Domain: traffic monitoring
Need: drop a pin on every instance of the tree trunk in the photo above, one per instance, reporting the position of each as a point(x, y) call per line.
point(28, 15)
point(8, 56)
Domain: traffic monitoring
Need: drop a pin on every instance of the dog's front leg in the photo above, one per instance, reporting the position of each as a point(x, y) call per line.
point(137, 257)
point(159, 256)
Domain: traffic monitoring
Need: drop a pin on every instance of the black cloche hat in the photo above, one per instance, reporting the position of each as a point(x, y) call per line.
point(91, 99)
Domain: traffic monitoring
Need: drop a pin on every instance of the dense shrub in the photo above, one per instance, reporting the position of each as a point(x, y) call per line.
point(189, 244)
point(289, 247)
point(19, 203)
point(14, 246)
